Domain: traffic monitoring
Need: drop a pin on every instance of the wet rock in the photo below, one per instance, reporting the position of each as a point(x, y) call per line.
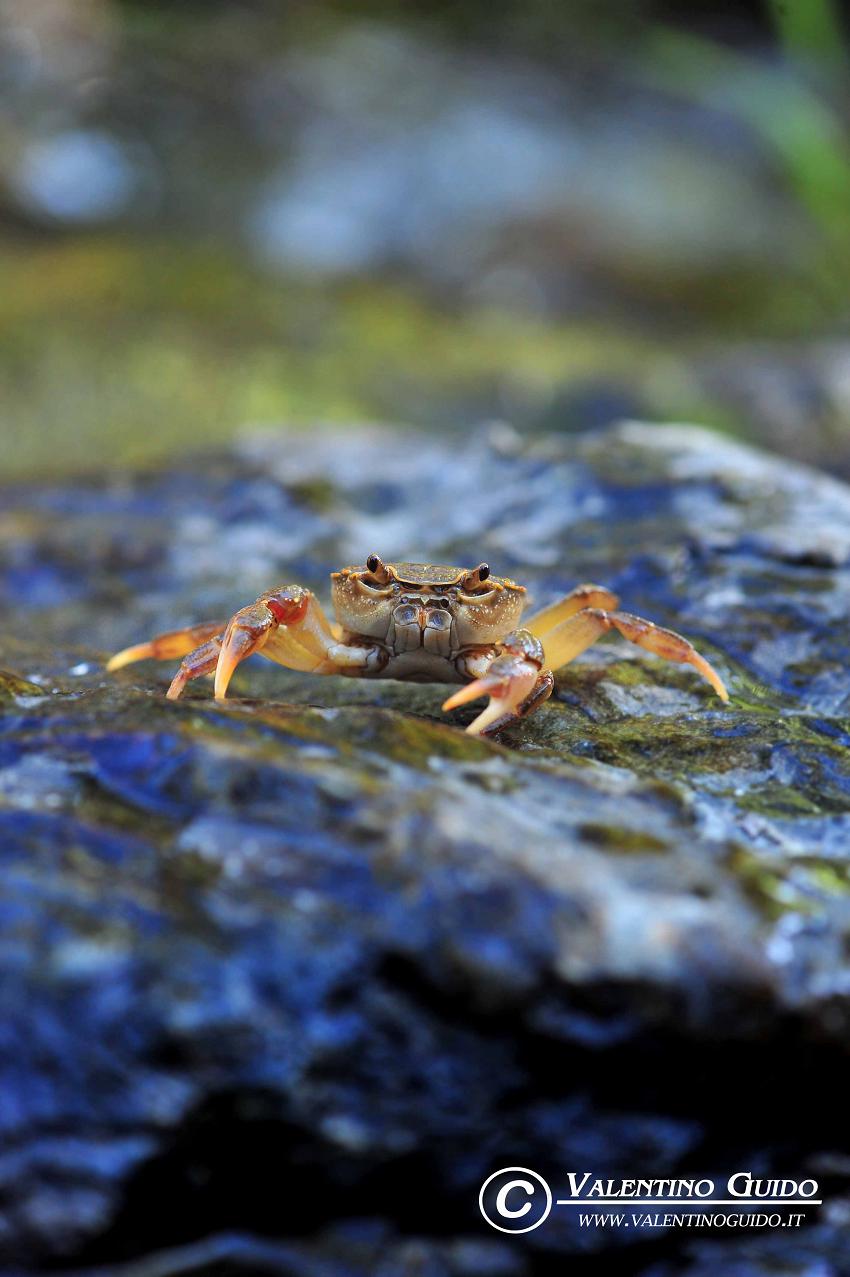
point(287, 978)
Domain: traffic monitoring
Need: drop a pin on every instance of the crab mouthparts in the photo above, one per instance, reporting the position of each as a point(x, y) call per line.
point(427, 614)
point(421, 623)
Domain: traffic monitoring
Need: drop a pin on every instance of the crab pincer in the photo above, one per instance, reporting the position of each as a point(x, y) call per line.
point(249, 630)
point(515, 681)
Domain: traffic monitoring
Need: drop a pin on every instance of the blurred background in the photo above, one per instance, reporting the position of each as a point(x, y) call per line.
point(248, 211)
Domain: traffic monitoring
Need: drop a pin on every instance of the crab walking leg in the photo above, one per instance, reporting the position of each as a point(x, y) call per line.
point(572, 636)
point(166, 647)
point(513, 679)
point(201, 661)
point(583, 596)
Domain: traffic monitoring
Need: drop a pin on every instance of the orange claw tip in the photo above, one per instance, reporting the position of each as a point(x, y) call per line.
point(488, 715)
point(471, 692)
point(140, 652)
point(240, 640)
point(223, 674)
point(229, 657)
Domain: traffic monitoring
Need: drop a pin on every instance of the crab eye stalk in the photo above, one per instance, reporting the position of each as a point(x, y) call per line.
point(474, 580)
point(379, 573)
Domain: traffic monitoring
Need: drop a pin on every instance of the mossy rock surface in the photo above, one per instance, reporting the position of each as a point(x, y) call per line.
point(320, 924)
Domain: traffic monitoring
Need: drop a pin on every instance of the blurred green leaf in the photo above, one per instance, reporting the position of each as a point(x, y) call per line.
point(803, 132)
point(810, 28)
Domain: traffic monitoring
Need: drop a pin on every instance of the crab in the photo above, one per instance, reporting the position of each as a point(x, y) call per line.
point(424, 622)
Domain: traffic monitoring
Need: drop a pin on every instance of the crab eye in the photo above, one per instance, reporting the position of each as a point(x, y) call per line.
point(473, 582)
point(379, 573)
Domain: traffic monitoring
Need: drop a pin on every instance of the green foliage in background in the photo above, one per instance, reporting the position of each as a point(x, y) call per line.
point(796, 105)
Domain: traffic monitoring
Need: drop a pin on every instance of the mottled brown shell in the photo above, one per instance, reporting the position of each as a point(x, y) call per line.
point(433, 574)
point(426, 573)
point(366, 597)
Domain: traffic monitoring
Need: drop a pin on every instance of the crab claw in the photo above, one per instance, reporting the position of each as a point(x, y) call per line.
point(247, 632)
point(509, 680)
